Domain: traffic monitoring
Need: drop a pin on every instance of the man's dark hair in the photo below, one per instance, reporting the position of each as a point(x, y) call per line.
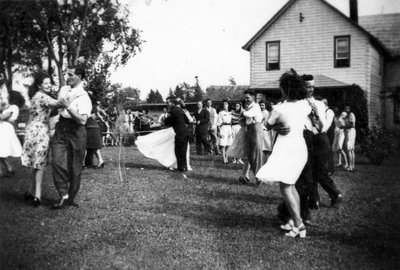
point(292, 85)
point(79, 71)
point(307, 77)
point(250, 92)
point(208, 100)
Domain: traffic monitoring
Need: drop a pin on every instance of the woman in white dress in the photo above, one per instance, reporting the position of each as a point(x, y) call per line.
point(160, 145)
point(289, 154)
point(224, 130)
point(236, 127)
point(10, 145)
point(338, 141)
point(350, 137)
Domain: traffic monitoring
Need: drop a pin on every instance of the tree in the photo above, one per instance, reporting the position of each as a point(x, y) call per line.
point(179, 92)
point(122, 98)
point(20, 48)
point(158, 97)
point(92, 33)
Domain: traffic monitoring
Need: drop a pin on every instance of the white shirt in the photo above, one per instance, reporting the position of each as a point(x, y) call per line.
point(254, 112)
point(321, 107)
point(79, 98)
point(329, 114)
point(213, 117)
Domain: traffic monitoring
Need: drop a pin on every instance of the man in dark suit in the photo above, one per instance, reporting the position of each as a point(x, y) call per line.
point(178, 121)
point(202, 119)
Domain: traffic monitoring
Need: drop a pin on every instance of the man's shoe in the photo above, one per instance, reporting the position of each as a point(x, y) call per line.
point(73, 203)
point(309, 223)
point(36, 202)
point(313, 205)
point(336, 201)
point(28, 197)
point(62, 204)
point(244, 180)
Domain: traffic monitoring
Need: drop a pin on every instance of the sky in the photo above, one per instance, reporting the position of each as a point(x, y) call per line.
point(204, 38)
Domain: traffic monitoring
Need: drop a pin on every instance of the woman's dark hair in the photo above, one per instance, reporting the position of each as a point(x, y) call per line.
point(16, 98)
point(293, 85)
point(38, 80)
point(241, 106)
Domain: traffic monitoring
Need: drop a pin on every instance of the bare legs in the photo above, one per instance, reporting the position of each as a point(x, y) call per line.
point(224, 153)
point(292, 201)
point(351, 157)
point(99, 157)
point(7, 165)
point(341, 154)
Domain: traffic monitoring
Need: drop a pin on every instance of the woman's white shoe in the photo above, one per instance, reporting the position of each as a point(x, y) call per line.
point(300, 231)
point(288, 226)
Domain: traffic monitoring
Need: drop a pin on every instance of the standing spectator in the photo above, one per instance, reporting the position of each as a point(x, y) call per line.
point(202, 119)
point(268, 135)
point(69, 142)
point(161, 118)
point(350, 137)
point(35, 150)
point(94, 142)
point(145, 122)
point(10, 145)
point(224, 129)
point(212, 126)
point(339, 140)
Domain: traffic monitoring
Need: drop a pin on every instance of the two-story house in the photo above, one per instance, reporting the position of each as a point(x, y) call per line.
point(313, 37)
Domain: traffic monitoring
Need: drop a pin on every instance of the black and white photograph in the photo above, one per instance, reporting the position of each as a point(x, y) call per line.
point(199, 134)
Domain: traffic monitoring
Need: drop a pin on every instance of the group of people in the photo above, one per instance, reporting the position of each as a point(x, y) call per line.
point(286, 142)
point(65, 147)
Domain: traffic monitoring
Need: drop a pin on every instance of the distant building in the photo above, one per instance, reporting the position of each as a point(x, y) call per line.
point(314, 37)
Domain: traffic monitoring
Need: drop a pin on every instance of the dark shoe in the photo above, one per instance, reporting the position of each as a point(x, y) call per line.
point(73, 203)
point(62, 204)
point(313, 205)
point(10, 173)
point(28, 196)
point(244, 180)
point(336, 201)
point(101, 165)
point(258, 183)
point(36, 202)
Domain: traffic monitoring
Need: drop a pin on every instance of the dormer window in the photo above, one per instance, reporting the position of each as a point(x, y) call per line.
point(342, 52)
point(273, 55)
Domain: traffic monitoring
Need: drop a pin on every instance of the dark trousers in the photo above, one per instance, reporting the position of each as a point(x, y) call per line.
point(213, 139)
point(321, 155)
point(181, 144)
point(68, 147)
point(201, 141)
point(254, 146)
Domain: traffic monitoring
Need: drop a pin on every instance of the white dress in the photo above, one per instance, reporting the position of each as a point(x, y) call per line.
point(160, 145)
point(10, 145)
point(289, 154)
point(225, 129)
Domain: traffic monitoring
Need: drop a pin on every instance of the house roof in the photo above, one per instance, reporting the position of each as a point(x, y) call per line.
point(375, 41)
point(230, 87)
point(320, 81)
point(385, 27)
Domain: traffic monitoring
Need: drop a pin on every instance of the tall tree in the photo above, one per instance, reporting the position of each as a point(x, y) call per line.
point(86, 32)
point(123, 98)
point(158, 97)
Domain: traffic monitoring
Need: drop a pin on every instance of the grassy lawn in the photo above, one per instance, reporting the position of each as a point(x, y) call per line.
point(143, 216)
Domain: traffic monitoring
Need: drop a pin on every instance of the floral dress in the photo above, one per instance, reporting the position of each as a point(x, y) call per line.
point(37, 133)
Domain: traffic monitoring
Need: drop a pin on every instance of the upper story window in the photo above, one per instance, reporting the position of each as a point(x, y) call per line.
point(273, 55)
point(342, 51)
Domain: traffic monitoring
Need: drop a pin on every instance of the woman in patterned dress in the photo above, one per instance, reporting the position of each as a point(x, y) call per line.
point(37, 135)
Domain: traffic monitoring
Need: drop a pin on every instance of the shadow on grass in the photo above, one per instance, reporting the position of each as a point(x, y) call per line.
point(213, 216)
point(139, 166)
point(248, 197)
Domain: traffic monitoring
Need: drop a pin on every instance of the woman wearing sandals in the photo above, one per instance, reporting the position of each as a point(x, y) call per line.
point(37, 135)
point(289, 154)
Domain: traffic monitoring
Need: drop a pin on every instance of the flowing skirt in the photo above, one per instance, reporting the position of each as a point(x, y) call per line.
point(10, 146)
point(350, 138)
point(338, 140)
point(160, 145)
point(286, 162)
point(237, 148)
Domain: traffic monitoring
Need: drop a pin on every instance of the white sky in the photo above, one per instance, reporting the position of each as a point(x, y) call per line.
point(188, 38)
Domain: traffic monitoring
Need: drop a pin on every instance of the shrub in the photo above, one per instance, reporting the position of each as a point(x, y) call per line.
point(377, 144)
point(128, 139)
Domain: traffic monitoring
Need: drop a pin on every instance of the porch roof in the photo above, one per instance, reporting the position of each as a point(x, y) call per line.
point(321, 81)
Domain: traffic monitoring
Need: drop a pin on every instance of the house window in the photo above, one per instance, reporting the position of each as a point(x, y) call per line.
point(342, 51)
point(273, 55)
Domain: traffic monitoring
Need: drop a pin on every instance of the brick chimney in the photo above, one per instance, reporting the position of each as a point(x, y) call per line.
point(354, 11)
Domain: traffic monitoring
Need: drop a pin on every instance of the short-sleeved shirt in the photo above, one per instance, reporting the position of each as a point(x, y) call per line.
point(321, 107)
point(79, 98)
point(253, 114)
point(14, 113)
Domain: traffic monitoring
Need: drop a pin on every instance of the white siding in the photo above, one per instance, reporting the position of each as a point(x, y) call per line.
point(308, 46)
point(376, 87)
